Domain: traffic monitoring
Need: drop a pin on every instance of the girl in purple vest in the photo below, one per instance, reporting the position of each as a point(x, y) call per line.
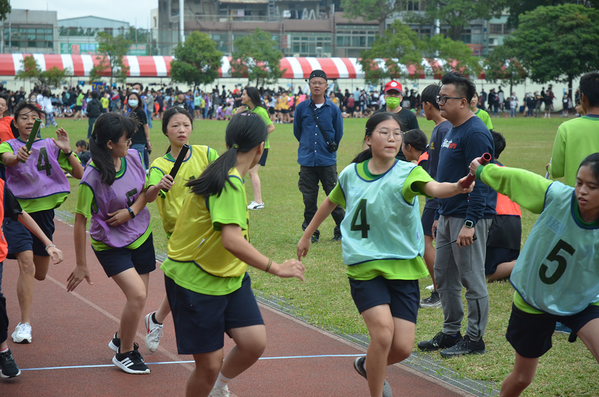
point(113, 194)
point(37, 180)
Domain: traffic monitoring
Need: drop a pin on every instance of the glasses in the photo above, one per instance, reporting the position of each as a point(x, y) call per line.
point(385, 133)
point(442, 99)
point(317, 83)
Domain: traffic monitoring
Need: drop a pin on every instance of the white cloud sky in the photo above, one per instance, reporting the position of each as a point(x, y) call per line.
point(120, 10)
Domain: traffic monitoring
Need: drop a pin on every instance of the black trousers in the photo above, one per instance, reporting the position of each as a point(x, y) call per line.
point(309, 177)
point(3, 316)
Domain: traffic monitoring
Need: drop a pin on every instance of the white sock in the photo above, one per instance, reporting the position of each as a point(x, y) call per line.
point(221, 381)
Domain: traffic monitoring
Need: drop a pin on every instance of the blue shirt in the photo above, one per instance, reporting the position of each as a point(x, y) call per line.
point(312, 151)
point(461, 145)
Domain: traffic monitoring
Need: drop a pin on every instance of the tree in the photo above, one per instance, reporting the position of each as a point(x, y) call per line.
point(196, 60)
point(519, 7)
point(257, 57)
point(5, 9)
point(501, 64)
point(112, 49)
point(370, 10)
point(400, 47)
point(455, 13)
point(32, 72)
point(557, 43)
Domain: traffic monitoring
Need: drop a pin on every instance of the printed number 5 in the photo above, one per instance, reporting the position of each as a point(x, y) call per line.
point(554, 256)
point(363, 226)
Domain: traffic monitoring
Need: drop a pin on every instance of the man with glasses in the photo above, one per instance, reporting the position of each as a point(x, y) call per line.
point(318, 126)
point(461, 225)
point(393, 98)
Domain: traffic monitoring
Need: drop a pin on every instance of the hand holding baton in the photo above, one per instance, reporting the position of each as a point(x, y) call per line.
point(179, 161)
point(483, 160)
point(33, 135)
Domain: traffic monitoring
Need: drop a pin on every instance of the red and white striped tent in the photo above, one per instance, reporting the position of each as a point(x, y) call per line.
point(160, 66)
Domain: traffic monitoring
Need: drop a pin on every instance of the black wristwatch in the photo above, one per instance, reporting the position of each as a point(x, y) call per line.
point(131, 212)
point(469, 224)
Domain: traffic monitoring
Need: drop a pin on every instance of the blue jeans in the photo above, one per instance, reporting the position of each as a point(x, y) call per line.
point(149, 113)
point(141, 148)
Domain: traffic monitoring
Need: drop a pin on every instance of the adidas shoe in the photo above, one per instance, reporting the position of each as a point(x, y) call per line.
point(359, 367)
point(255, 206)
point(131, 362)
point(8, 367)
point(115, 343)
point(22, 333)
point(440, 341)
point(153, 333)
point(216, 392)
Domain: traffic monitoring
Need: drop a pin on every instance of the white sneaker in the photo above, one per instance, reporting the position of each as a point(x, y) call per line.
point(224, 392)
point(430, 287)
point(22, 333)
point(255, 206)
point(153, 333)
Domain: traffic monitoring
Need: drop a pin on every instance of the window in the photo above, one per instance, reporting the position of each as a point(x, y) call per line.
point(497, 28)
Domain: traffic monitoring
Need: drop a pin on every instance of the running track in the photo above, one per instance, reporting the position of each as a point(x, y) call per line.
point(69, 355)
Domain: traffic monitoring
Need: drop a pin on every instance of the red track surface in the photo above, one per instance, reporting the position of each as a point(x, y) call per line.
point(73, 329)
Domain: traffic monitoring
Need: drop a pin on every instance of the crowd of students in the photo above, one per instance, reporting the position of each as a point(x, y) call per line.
point(387, 244)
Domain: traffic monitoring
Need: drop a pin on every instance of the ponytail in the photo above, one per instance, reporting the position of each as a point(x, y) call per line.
point(244, 132)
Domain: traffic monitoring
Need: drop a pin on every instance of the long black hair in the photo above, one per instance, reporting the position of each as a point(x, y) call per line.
point(415, 138)
point(371, 124)
point(592, 161)
point(109, 127)
point(254, 95)
point(245, 131)
point(166, 117)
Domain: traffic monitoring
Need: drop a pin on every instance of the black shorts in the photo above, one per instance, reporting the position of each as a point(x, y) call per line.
point(117, 260)
point(20, 239)
point(271, 110)
point(284, 111)
point(78, 108)
point(496, 256)
point(202, 320)
point(262, 160)
point(403, 296)
point(428, 218)
point(530, 334)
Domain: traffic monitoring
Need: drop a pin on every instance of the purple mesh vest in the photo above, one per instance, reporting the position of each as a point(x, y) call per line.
point(121, 194)
point(40, 175)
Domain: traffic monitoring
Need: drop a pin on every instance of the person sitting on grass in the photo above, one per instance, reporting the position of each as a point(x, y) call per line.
point(82, 152)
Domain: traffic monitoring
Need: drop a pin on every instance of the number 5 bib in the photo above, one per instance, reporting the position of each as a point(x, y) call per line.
point(558, 271)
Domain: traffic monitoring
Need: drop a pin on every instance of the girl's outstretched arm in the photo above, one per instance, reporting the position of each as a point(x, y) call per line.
point(235, 243)
point(81, 271)
point(445, 189)
point(325, 209)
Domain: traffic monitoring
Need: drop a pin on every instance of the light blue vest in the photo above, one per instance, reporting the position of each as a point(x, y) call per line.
point(558, 269)
point(379, 223)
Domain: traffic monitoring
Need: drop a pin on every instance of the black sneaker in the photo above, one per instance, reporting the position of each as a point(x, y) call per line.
point(131, 362)
point(336, 237)
point(432, 301)
point(314, 238)
point(8, 367)
point(359, 367)
point(115, 343)
point(464, 347)
point(440, 341)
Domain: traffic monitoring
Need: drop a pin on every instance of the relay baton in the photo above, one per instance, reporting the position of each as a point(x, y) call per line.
point(483, 160)
point(547, 176)
point(178, 163)
point(33, 135)
point(453, 241)
point(179, 160)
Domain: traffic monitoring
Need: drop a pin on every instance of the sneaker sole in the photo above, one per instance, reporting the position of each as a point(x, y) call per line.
point(146, 321)
point(113, 347)
point(129, 370)
point(358, 370)
point(431, 305)
point(446, 355)
point(4, 376)
point(23, 341)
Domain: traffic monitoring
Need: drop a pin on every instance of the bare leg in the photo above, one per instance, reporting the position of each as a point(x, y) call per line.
point(503, 271)
point(255, 179)
point(429, 257)
point(25, 284)
point(163, 310)
point(135, 288)
point(250, 343)
point(520, 377)
point(381, 329)
point(589, 334)
point(202, 377)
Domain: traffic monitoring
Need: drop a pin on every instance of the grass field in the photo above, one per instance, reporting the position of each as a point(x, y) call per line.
point(324, 299)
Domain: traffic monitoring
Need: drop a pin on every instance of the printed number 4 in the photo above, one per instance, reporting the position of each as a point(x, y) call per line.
point(554, 256)
point(43, 164)
point(363, 226)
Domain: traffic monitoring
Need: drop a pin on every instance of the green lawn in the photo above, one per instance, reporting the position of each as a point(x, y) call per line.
point(324, 299)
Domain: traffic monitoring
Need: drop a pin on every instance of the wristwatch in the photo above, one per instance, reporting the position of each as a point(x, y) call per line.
point(469, 224)
point(131, 212)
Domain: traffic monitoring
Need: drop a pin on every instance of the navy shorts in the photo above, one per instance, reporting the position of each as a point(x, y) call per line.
point(428, 218)
point(496, 256)
point(403, 296)
point(262, 160)
point(20, 239)
point(202, 320)
point(530, 334)
point(117, 260)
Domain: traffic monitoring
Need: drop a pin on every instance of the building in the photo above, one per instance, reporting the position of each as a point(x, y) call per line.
point(29, 31)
